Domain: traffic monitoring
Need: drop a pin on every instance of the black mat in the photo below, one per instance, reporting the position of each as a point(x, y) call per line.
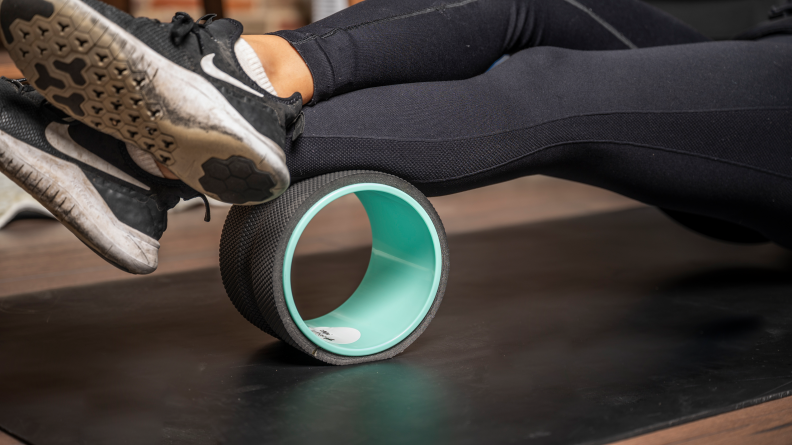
point(576, 331)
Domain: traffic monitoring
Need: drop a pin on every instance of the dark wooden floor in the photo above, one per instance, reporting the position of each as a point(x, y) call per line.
point(766, 424)
point(40, 255)
point(36, 255)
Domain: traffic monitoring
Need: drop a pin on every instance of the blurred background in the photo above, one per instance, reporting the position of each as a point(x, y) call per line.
point(718, 19)
point(190, 243)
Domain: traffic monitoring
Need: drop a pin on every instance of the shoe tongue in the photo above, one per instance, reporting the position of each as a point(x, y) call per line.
point(34, 96)
point(229, 29)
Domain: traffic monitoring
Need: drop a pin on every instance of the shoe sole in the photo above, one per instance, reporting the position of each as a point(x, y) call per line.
point(64, 191)
point(105, 77)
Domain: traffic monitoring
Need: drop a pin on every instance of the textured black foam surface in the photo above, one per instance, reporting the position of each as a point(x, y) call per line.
point(254, 245)
point(563, 332)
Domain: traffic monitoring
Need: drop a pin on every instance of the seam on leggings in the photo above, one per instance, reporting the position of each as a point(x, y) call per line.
point(496, 133)
point(385, 19)
point(332, 73)
point(629, 144)
point(604, 24)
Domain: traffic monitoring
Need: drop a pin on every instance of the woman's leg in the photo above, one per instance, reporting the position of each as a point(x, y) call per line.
point(700, 128)
point(386, 42)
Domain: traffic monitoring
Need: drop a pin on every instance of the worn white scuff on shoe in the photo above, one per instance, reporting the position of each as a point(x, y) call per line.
point(215, 128)
point(88, 216)
point(58, 136)
point(144, 160)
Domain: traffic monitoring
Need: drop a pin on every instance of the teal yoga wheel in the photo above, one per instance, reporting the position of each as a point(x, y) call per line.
point(393, 304)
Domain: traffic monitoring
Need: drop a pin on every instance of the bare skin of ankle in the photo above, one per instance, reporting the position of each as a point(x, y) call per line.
point(284, 66)
point(166, 171)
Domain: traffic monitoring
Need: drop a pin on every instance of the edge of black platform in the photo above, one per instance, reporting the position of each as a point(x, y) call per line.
point(14, 436)
point(693, 418)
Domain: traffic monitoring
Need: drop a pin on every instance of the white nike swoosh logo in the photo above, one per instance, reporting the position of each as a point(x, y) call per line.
point(58, 136)
point(207, 64)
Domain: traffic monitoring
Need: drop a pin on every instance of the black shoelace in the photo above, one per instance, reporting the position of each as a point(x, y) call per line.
point(182, 25)
point(19, 83)
point(168, 196)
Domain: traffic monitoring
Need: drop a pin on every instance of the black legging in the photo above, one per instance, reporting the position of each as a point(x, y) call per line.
point(699, 127)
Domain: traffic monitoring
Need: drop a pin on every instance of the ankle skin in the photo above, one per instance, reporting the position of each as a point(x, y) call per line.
point(284, 66)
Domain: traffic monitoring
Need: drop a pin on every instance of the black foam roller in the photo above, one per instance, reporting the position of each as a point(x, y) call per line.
point(253, 247)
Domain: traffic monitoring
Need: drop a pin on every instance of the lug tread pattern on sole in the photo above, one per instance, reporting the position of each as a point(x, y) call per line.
point(85, 69)
point(236, 180)
point(95, 73)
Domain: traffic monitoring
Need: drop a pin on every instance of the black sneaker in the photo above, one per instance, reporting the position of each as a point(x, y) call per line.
point(176, 90)
point(86, 179)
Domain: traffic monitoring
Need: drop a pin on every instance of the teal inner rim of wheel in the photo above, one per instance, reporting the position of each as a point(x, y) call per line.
point(399, 286)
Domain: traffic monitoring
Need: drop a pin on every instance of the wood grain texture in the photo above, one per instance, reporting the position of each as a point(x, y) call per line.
point(7, 67)
point(8, 440)
point(39, 255)
point(766, 424)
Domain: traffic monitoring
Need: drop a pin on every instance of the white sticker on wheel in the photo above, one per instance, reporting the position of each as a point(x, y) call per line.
point(337, 336)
